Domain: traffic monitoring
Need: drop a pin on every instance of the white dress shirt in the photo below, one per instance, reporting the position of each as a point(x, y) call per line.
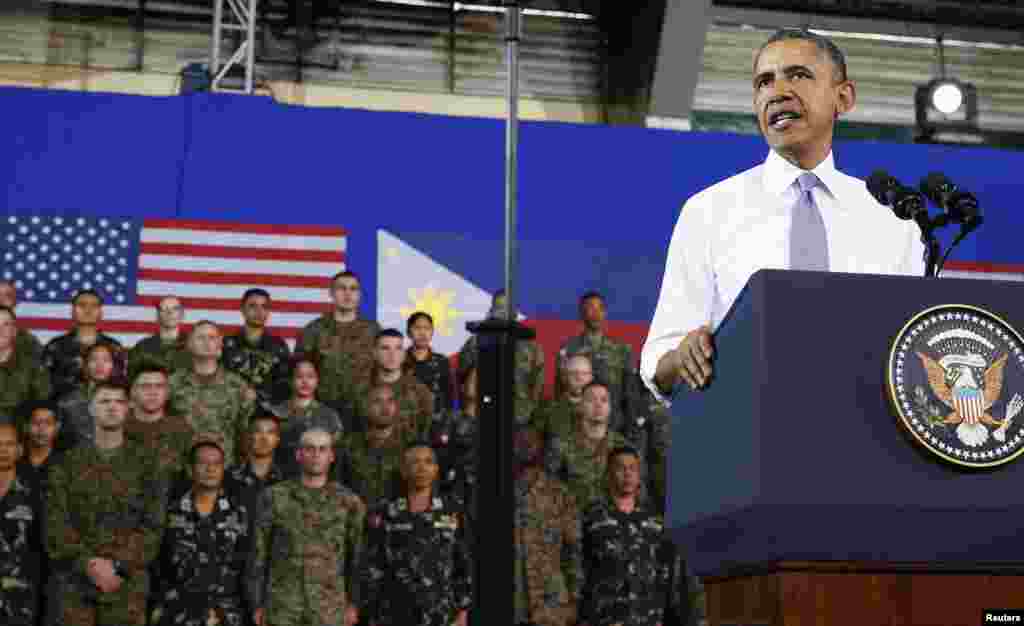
point(736, 227)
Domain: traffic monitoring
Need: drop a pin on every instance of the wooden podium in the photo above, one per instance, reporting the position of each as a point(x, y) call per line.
point(796, 494)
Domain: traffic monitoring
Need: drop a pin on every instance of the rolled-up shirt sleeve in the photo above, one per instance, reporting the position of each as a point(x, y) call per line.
point(687, 289)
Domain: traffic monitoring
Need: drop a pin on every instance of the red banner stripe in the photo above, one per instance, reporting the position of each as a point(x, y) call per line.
point(228, 252)
point(222, 278)
point(256, 229)
point(282, 306)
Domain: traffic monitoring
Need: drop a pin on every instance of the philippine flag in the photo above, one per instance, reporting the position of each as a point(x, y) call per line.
point(452, 277)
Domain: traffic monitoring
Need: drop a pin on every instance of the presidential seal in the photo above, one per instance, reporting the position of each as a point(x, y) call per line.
point(956, 378)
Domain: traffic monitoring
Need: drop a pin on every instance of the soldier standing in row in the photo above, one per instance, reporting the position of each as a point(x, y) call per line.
point(21, 377)
point(301, 412)
point(626, 557)
point(25, 342)
point(206, 551)
point(150, 427)
point(260, 470)
point(581, 458)
point(40, 428)
point(64, 356)
point(548, 565)
point(419, 561)
point(105, 518)
point(256, 355)
point(529, 363)
point(612, 360)
point(339, 341)
point(21, 536)
point(370, 461)
point(415, 402)
point(308, 544)
point(558, 417)
point(169, 347)
point(212, 399)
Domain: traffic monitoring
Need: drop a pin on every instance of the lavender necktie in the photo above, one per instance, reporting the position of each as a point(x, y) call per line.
point(808, 246)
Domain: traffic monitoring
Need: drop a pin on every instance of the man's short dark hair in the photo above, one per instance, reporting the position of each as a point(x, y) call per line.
point(346, 274)
point(418, 443)
point(116, 384)
point(202, 323)
point(86, 292)
point(596, 383)
point(8, 310)
point(150, 366)
point(193, 453)
point(26, 409)
point(265, 416)
point(415, 317)
point(256, 291)
point(622, 451)
point(588, 296)
point(388, 332)
point(825, 45)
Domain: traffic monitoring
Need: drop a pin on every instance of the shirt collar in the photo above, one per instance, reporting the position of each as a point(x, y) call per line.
point(779, 174)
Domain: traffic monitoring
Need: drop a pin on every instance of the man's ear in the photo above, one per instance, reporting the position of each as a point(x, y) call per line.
point(846, 98)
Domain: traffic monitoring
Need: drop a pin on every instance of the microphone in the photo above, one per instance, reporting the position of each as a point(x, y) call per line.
point(905, 202)
point(961, 207)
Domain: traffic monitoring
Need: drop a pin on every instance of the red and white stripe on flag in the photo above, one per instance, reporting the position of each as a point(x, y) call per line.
point(209, 265)
point(969, 405)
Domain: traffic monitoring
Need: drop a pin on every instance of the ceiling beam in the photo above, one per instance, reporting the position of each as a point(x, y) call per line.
point(780, 19)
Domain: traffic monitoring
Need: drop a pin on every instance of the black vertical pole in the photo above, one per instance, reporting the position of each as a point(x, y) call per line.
point(494, 517)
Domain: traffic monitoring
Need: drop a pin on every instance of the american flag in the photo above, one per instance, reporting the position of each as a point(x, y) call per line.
point(134, 263)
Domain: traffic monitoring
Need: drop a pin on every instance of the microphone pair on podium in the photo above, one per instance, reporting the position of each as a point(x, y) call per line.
point(958, 207)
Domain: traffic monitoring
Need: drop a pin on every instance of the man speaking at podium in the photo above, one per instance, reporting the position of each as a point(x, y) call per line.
point(794, 211)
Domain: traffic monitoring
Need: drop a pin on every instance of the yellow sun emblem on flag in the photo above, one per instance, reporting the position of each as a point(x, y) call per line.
point(438, 304)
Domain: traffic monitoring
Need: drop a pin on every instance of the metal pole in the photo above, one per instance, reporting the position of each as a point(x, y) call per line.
point(512, 35)
point(218, 17)
point(250, 35)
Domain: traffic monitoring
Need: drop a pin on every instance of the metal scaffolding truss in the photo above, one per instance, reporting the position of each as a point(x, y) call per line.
point(229, 17)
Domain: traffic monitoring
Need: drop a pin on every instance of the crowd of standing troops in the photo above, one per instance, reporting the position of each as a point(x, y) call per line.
point(197, 480)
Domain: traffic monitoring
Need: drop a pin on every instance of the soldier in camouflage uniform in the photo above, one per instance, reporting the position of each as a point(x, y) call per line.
point(626, 554)
point(167, 436)
point(24, 342)
point(529, 365)
point(256, 355)
point(458, 457)
point(415, 402)
point(548, 565)
point(558, 417)
point(64, 356)
point(169, 347)
point(40, 426)
point(580, 459)
point(369, 462)
point(340, 342)
point(102, 363)
point(104, 522)
point(612, 361)
point(21, 536)
point(21, 377)
point(211, 398)
point(206, 551)
point(649, 432)
point(301, 412)
point(419, 564)
point(308, 544)
point(260, 470)
point(432, 369)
